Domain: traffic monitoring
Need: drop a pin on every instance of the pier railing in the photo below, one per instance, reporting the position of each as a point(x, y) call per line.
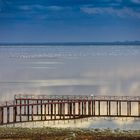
point(29, 108)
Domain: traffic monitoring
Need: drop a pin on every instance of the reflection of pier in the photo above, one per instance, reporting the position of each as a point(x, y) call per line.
point(26, 108)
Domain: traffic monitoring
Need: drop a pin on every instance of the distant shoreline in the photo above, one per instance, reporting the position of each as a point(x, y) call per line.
point(76, 43)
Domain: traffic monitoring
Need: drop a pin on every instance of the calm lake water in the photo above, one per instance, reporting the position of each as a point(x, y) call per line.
point(76, 69)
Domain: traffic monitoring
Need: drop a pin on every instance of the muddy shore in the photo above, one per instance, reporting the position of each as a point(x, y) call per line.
point(45, 133)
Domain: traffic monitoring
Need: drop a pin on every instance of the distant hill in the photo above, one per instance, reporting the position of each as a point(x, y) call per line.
point(77, 43)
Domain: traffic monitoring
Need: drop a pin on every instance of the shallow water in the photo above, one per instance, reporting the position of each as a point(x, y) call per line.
point(76, 69)
point(111, 70)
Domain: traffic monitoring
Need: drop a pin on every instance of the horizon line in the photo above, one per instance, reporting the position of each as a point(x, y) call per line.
point(136, 42)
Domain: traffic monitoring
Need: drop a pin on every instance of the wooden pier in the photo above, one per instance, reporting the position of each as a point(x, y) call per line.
point(29, 108)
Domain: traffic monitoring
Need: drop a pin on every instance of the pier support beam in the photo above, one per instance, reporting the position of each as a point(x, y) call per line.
point(94, 108)
point(117, 108)
point(45, 112)
point(89, 108)
point(73, 110)
point(32, 112)
point(139, 109)
point(14, 114)
point(128, 108)
point(55, 111)
point(1, 115)
point(99, 108)
point(8, 114)
point(63, 110)
point(79, 108)
point(20, 113)
point(120, 108)
point(41, 110)
point(28, 110)
point(51, 110)
point(85, 108)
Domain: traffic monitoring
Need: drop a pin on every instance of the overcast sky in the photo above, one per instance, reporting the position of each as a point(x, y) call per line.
point(69, 20)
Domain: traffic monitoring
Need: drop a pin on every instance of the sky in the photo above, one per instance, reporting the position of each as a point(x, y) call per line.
point(38, 21)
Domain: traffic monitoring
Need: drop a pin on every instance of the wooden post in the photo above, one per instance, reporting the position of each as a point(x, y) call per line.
point(45, 112)
point(41, 111)
point(14, 114)
point(85, 108)
point(117, 108)
point(20, 110)
point(1, 115)
point(99, 108)
point(89, 108)
point(82, 108)
point(28, 110)
point(120, 108)
point(139, 108)
point(51, 110)
point(55, 111)
point(74, 110)
point(63, 110)
point(70, 109)
point(109, 108)
point(8, 115)
point(94, 108)
point(32, 112)
point(37, 107)
point(128, 108)
point(24, 107)
point(79, 108)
